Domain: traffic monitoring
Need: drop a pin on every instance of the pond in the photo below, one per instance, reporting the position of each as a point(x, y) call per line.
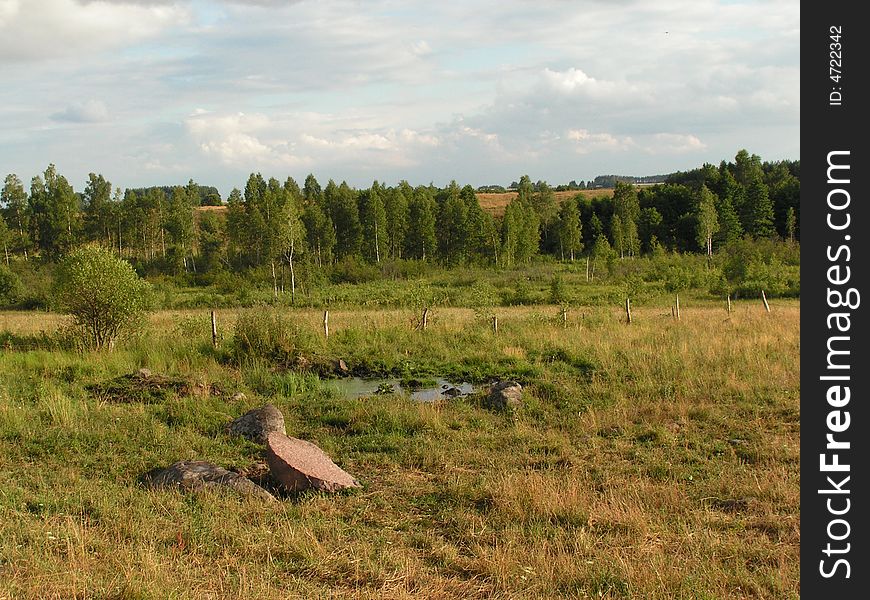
point(356, 387)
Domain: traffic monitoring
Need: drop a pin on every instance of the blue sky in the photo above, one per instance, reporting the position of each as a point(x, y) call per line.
point(160, 91)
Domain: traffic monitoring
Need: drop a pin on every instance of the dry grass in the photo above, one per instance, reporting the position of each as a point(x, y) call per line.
point(496, 203)
point(667, 469)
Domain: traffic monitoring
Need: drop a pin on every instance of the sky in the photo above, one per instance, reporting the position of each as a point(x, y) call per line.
point(156, 92)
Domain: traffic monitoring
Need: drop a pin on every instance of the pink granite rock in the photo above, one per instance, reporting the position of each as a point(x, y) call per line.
point(300, 465)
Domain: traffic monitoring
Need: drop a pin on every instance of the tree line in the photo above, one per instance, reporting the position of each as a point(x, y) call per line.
point(280, 227)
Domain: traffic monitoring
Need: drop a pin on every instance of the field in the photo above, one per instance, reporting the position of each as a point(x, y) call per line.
point(653, 460)
point(493, 203)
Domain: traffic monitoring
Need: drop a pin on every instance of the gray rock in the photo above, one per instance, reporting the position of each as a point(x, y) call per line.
point(144, 373)
point(239, 397)
point(258, 423)
point(197, 475)
point(299, 465)
point(505, 395)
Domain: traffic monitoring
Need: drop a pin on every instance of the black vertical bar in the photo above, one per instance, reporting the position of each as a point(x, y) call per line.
point(834, 228)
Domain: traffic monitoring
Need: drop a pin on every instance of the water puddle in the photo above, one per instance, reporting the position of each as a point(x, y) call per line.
point(356, 387)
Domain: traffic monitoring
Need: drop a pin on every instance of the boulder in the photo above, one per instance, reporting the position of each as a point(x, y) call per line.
point(196, 475)
point(505, 395)
point(258, 423)
point(300, 465)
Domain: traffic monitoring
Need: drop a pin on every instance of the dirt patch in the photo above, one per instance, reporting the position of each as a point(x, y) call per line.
point(148, 388)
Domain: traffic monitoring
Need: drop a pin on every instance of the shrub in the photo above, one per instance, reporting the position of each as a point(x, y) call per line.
point(10, 287)
point(270, 335)
point(352, 270)
point(102, 293)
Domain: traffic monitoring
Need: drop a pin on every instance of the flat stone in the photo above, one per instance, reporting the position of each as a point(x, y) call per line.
point(197, 475)
point(299, 465)
point(258, 423)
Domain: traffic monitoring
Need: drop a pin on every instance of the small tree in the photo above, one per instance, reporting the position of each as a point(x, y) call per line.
point(102, 292)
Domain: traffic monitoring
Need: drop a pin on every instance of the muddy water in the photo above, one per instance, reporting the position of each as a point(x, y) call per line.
point(356, 387)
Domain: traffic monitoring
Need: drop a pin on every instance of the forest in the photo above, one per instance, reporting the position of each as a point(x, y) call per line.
point(280, 234)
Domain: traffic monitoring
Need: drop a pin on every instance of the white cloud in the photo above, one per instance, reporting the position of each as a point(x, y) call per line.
point(674, 143)
point(482, 89)
point(66, 28)
point(587, 142)
point(92, 111)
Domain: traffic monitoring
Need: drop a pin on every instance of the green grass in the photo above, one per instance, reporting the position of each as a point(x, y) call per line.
point(656, 460)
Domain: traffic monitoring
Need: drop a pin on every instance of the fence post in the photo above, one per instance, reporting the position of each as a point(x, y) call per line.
point(628, 309)
point(494, 324)
point(764, 299)
point(565, 317)
point(213, 329)
point(677, 306)
point(326, 324)
point(425, 320)
point(729, 304)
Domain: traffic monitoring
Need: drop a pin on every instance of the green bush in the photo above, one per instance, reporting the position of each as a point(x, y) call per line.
point(267, 334)
point(102, 293)
point(10, 287)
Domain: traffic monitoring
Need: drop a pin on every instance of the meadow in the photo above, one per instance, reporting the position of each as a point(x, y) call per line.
point(653, 460)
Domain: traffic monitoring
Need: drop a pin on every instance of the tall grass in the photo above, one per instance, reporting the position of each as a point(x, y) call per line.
point(653, 460)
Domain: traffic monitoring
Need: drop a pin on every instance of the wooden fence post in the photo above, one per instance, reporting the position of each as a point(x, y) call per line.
point(764, 299)
point(677, 306)
point(729, 304)
point(494, 324)
point(326, 324)
point(425, 320)
point(565, 317)
point(628, 309)
point(213, 329)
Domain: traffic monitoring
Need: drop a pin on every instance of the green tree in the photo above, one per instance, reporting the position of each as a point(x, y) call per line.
point(759, 210)
point(547, 209)
point(237, 232)
point(14, 198)
point(10, 286)
point(452, 226)
point(730, 228)
point(180, 225)
point(520, 232)
point(292, 232)
point(373, 218)
point(481, 235)
point(212, 242)
point(601, 251)
point(649, 226)
point(345, 218)
point(617, 234)
point(570, 230)
point(320, 232)
point(626, 206)
point(102, 293)
point(708, 219)
point(397, 214)
point(311, 191)
point(5, 238)
point(56, 215)
point(97, 209)
point(421, 241)
point(790, 223)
